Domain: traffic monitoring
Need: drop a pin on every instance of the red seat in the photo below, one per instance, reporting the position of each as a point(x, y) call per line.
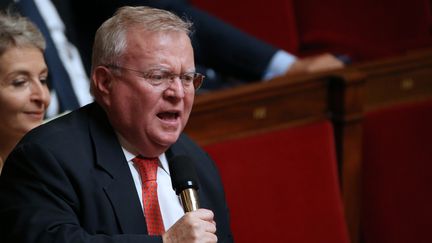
point(283, 186)
point(397, 182)
point(364, 29)
point(272, 21)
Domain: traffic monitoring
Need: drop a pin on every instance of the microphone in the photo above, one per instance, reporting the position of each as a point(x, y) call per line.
point(185, 181)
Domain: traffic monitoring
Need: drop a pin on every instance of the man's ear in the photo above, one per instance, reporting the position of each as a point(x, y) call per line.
point(102, 79)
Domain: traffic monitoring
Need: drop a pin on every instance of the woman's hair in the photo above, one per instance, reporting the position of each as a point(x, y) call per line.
point(110, 40)
point(18, 31)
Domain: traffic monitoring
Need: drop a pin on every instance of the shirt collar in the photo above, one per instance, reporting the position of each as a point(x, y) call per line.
point(163, 162)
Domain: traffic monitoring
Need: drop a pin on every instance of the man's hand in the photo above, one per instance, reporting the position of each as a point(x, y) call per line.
point(323, 62)
point(196, 226)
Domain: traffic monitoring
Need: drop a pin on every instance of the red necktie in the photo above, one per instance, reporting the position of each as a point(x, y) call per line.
point(148, 172)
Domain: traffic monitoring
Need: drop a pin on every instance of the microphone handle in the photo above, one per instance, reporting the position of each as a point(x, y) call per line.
point(189, 199)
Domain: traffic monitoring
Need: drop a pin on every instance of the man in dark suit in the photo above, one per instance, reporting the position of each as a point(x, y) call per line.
point(79, 178)
point(220, 48)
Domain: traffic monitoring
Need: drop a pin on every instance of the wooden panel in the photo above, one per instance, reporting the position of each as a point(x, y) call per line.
point(346, 96)
point(402, 79)
point(400, 86)
point(257, 108)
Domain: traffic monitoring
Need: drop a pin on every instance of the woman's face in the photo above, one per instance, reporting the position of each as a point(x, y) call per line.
point(24, 95)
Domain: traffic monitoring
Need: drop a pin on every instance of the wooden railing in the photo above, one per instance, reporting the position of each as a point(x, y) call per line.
point(258, 108)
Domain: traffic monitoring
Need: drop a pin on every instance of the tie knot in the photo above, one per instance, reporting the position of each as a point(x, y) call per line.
point(147, 168)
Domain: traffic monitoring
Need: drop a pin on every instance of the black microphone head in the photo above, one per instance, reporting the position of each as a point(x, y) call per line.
point(183, 174)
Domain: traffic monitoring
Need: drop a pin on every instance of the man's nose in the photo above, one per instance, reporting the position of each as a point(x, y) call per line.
point(176, 87)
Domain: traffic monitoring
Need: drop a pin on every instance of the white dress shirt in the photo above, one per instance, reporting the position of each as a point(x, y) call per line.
point(169, 202)
point(280, 63)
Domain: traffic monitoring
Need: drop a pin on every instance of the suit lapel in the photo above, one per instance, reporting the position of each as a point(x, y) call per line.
point(121, 191)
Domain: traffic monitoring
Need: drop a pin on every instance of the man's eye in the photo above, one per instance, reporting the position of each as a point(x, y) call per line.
point(188, 78)
point(156, 76)
point(159, 75)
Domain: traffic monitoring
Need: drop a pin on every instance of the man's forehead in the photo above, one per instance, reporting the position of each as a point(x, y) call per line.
point(145, 40)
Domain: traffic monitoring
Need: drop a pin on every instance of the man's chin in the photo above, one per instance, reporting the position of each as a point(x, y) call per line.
point(167, 139)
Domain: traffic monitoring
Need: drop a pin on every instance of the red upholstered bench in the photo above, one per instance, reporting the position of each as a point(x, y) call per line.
point(397, 182)
point(283, 186)
point(364, 29)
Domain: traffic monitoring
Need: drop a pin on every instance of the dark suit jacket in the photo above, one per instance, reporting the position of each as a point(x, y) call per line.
point(68, 181)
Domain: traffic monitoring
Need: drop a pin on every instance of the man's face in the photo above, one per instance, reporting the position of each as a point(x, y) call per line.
point(149, 118)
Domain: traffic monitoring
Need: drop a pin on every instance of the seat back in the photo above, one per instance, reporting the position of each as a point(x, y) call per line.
point(271, 21)
point(364, 29)
point(282, 186)
point(397, 174)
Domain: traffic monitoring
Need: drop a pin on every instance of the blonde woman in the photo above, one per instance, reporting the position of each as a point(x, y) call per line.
point(24, 95)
